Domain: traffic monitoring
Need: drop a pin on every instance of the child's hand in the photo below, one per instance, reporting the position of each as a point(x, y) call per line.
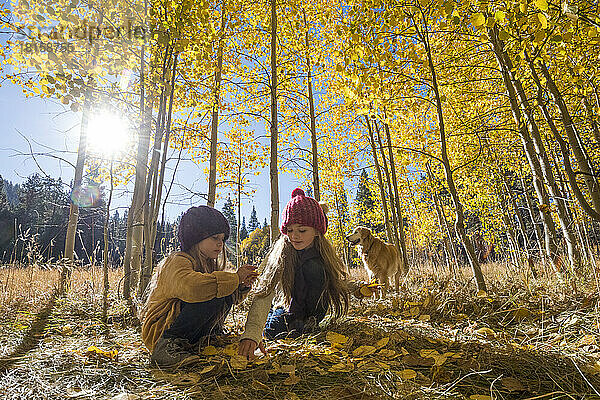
point(247, 274)
point(248, 346)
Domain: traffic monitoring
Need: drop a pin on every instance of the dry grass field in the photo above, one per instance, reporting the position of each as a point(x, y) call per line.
point(437, 338)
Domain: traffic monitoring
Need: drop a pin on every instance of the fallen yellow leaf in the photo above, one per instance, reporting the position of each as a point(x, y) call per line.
point(209, 351)
point(291, 380)
point(342, 367)
point(521, 313)
point(512, 384)
point(482, 293)
point(425, 317)
point(231, 349)
point(287, 369)
point(480, 397)
point(364, 351)
point(387, 353)
point(334, 337)
point(94, 351)
point(407, 374)
point(487, 332)
point(382, 342)
point(586, 340)
point(207, 369)
point(238, 362)
point(425, 353)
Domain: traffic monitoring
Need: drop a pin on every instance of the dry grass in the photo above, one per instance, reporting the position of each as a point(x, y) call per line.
point(526, 339)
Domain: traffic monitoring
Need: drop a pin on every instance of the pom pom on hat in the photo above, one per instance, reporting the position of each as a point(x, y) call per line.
point(297, 192)
point(305, 211)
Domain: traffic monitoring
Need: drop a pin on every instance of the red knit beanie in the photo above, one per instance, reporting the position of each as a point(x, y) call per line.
point(305, 211)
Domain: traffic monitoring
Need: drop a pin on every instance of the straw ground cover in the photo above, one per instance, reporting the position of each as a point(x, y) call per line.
point(436, 339)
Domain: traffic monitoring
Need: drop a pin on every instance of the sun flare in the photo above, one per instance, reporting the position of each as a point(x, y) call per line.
point(108, 134)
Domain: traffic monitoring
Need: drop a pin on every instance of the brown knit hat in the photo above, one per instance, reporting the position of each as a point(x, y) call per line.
point(199, 223)
point(305, 211)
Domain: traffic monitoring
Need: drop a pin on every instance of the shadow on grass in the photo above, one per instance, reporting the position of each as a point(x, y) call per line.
point(31, 338)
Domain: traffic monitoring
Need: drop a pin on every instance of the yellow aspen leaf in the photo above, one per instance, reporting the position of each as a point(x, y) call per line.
point(439, 360)
point(238, 362)
point(500, 16)
point(291, 380)
point(407, 374)
point(364, 351)
point(543, 21)
point(209, 351)
point(66, 330)
point(482, 294)
point(487, 332)
point(541, 4)
point(512, 384)
point(342, 367)
point(539, 36)
point(586, 340)
point(334, 337)
point(230, 349)
point(478, 19)
point(503, 35)
point(521, 313)
point(207, 369)
point(387, 353)
point(425, 353)
point(287, 369)
point(382, 342)
point(103, 354)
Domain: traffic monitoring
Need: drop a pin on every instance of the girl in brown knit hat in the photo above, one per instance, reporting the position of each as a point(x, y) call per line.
point(303, 278)
point(190, 294)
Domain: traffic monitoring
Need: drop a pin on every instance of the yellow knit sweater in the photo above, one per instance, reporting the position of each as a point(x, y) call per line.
point(176, 280)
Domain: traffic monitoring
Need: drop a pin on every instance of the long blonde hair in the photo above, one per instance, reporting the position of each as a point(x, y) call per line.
point(277, 273)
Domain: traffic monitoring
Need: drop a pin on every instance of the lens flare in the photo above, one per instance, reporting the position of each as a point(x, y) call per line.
point(86, 196)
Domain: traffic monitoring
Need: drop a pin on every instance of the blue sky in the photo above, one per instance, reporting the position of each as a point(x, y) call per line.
point(52, 128)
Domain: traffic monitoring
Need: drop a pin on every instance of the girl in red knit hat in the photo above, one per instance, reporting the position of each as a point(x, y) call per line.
point(303, 278)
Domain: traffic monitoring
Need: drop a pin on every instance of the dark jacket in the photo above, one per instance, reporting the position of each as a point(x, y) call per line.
point(309, 284)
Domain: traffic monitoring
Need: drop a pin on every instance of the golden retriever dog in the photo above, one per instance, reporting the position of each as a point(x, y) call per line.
point(381, 260)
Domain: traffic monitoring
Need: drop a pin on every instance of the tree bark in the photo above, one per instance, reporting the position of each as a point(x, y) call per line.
point(214, 126)
point(581, 157)
point(105, 286)
point(550, 245)
point(65, 274)
point(379, 181)
point(458, 207)
point(313, 118)
point(273, 170)
point(390, 193)
point(401, 237)
point(443, 224)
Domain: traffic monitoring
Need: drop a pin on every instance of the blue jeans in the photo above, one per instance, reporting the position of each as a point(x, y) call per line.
point(197, 320)
point(279, 325)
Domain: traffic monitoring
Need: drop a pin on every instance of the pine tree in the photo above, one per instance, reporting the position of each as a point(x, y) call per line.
point(265, 224)
point(253, 224)
point(364, 200)
point(243, 230)
point(229, 213)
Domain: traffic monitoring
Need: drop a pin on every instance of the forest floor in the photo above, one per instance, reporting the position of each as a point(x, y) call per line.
point(438, 338)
